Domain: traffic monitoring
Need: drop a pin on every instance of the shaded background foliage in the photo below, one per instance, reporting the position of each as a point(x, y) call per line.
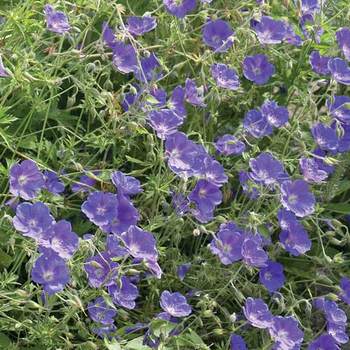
point(62, 108)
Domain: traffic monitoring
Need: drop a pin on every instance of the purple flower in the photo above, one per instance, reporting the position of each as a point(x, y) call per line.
point(269, 30)
point(309, 29)
point(291, 37)
point(256, 124)
point(285, 332)
point(333, 313)
point(175, 304)
point(124, 293)
point(338, 332)
point(164, 122)
point(276, 115)
point(26, 180)
point(310, 6)
point(340, 70)
point(104, 331)
point(224, 76)
point(179, 8)
point(113, 247)
point(212, 171)
point(159, 96)
point(126, 185)
point(33, 219)
point(244, 179)
point(252, 252)
point(177, 102)
point(227, 244)
point(154, 268)
point(180, 203)
point(100, 207)
point(148, 70)
point(108, 36)
point(52, 182)
point(344, 140)
point(272, 276)
point(125, 215)
point(258, 69)
point(84, 185)
point(51, 272)
point(325, 137)
point(193, 94)
point(267, 169)
point(343, 39)
point(3, 71)
point(61, 239)
point(185, 158)
point(206, 195)
point(100, 270)
point(295, 239)
point(323, 342)
point(56, 21)
point(124, 57)
point(257, 313)
point(313, 169)
point(140, 244)
point(296, 197)
point(218, 34)
point(340, 108)
point(100, 312)
point(345, 289)
point(229, 144)
point(182, 270)
point(286, 219)
point(237, 342)
point(140, 25)
point(319, 64)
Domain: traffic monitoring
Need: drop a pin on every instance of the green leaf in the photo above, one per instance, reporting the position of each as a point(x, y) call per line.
point(5, 341)
point(113, 345)
point(136, 344)
point(341, 208)
point(5, 259)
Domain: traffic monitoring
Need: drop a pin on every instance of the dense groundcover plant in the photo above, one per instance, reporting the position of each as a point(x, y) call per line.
point(174, 174)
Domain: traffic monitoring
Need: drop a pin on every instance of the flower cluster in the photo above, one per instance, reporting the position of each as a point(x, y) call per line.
point(130, 255)
point(336, 321)
point(284, 331)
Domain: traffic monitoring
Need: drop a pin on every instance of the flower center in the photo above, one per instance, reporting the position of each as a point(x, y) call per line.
point(268, 276)
point(292, 199)
point(32, 223)
point(48, 276)
point(22, 180)
point(202, 193)
point(101, 210)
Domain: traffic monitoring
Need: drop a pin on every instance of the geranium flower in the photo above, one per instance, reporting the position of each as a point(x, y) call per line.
point(179, 8)
point(258, 69)
point(257, 313)
point(272, 276)
point(51, 272)
point(224, 76)
point(100, 312)
point(124, 293)
point(218, 35)
point(229, 145)
point(26, 180)
point(137, 25)
point(56, 21)
point(175, 304)
point(296, 197)
point(33, 220)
